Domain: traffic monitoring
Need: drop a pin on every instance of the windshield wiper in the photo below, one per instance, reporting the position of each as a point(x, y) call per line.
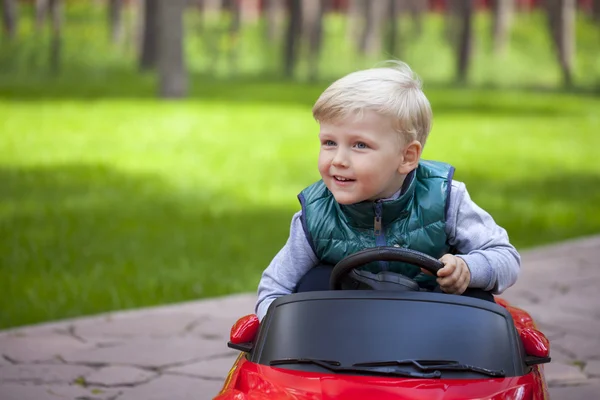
point(434, 365)
point(335, 366)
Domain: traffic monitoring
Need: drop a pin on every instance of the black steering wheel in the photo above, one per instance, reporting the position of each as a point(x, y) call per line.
point(383, 280)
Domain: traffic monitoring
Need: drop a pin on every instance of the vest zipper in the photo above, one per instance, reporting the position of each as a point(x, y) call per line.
point(379, 232)
point(378, 228)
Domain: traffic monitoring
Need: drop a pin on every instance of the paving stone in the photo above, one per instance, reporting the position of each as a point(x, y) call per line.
point(40, 373)
point(149, 325)
point(173, 387)
point(216, 369)
point(592, 368)
point(578, 324)
point(560, 356)
point(562, 374)
point(13, 391)
point(119, 376)
point(29, 349)
point(215, 328)
point(579, 392)
point(230, 306)
point(582, 347)
point(150, 352)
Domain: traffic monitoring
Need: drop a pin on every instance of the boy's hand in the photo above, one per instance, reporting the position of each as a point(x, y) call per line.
point(454, 278)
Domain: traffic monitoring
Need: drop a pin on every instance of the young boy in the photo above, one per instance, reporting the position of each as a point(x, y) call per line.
point(376, 191)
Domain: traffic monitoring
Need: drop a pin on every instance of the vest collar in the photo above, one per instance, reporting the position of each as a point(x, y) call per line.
point(362, 215)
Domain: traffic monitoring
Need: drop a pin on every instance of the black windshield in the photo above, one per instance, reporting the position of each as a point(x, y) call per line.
point(461, 337)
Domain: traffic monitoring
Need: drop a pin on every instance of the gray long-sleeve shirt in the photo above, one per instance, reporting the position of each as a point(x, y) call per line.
point(493, 262)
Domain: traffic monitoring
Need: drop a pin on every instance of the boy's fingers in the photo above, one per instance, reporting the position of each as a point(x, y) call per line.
point(448, 269)
point(423, 270)
point(449, 265)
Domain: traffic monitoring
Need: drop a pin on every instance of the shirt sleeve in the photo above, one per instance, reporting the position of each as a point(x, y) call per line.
point(494, 263)
point(294, 260)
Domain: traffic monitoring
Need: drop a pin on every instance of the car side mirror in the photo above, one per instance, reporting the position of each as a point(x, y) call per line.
point(243, 333)
point(537, 346)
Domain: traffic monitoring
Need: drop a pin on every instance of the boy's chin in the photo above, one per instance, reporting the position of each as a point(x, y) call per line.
point(347, 200)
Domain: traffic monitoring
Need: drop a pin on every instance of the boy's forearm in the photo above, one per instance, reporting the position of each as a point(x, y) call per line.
point(493, 262)
point(494, 269)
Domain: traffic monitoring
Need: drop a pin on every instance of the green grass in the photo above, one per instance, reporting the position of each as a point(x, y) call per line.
point(111, 199)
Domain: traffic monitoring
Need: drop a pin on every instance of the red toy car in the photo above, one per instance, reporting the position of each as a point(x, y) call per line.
point(390, 343)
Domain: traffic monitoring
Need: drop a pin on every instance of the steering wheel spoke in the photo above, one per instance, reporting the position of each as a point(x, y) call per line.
point(389, 280)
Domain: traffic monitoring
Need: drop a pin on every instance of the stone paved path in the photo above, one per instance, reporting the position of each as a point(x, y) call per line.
point(178, 352)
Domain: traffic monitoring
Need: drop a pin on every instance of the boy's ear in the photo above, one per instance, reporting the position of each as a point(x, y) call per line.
point(411, 154)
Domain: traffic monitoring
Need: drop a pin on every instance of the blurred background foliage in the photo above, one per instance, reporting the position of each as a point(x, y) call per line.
point(112, 197)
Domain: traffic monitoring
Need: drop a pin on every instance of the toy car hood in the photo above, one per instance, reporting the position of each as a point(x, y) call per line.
point(259, 382)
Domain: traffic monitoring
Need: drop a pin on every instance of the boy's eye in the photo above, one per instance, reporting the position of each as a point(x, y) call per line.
point(328, 143)
point(361, 145)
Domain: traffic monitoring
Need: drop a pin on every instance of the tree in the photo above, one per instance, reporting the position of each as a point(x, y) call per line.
point(561, 21)
point(173, 79)
point(115, 20)
point(393, 10)
point(460, 33)
point(596, 10)
point(274, 13)
point(9, 17)
point(292, 37)
point(502, 11)
point(312, 29)
point(417, 9)
point(236, 15)
point(56, 13)
point(41, 13)
point(354, 19)
point(370, 42)
point(148, 55)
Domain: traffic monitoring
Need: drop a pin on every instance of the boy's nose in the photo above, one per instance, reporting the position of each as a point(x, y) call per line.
point(340, 159)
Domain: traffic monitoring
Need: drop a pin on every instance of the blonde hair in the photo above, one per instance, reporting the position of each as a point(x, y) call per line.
point(391, 89)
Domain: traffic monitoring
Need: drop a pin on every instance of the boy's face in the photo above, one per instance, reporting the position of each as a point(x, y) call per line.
point(362, 158)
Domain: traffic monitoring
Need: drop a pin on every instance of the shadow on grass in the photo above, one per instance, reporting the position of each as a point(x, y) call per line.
point(445, 98)
point(81, 239)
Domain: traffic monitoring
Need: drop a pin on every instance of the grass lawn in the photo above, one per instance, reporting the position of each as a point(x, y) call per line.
point(111, 199)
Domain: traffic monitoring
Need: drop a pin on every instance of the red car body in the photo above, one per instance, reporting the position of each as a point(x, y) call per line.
point(251, 381)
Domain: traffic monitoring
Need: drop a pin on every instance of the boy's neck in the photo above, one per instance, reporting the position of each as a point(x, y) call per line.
point(404, 186)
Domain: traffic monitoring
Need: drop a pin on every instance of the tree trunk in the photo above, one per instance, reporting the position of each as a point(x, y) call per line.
point(312, 29)
point(452, 21)
point(465, 44)
point(151, 27)
point(417, 9)
point(249, 10)
point(596, 10)
point(9, 17)
point(134, 26)
point(236, 12)
point(292, 37)
point(561, 19)
point(173, 79)
point(56, 13)
point(392, 40)
point(502, 15)
point(354, 20)
point(115, 20)
point(274, 14)
point(41, 12)
point(371, 39)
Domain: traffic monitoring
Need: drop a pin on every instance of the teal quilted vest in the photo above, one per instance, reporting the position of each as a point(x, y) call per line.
point(416, 220)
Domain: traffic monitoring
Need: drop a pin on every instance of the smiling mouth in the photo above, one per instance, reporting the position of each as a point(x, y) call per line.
point(342, 179)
